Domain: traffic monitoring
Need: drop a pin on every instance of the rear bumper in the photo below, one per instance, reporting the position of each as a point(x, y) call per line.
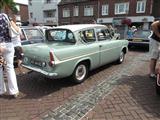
point(138, 43)
point(54, 75)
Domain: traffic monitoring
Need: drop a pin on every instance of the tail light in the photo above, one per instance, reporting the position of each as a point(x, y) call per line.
point(51, 62)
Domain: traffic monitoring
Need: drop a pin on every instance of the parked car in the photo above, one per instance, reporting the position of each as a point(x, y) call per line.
point(43, 28)
point(116, 36)
point(139, 38)
point(31, 35)
point(74, 50)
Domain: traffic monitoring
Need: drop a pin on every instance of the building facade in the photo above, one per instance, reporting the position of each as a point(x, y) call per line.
point(140, 13)
point(22, 15)
point(43, 12)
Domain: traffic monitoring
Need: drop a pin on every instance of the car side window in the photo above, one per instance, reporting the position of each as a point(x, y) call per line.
point(33, 34)
point(102, 34)
point(88, 35)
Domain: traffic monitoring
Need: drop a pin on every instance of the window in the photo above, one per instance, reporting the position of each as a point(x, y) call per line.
point(49, 13)
point(33, 34)
point(60, 35)
point(141, 5)
point(18, 7)
point(75, 11)
point(66, 12)
point(31, 14)
point(48, 1)
point(30, 2)
point(88, 35)
point(105, 9)
point(88, 10)
point(103, 34)
point(121, 8)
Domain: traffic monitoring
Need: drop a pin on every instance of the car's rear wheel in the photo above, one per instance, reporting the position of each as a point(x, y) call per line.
point(121, 57)
point(158, 84)
point(80, 73)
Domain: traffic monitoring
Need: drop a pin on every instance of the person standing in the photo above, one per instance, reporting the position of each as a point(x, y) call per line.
point(7, 51)
point(17, 43)
point(154, 47)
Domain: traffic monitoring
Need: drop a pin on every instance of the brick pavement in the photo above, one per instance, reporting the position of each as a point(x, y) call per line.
point(134, 98)
point(41, 97)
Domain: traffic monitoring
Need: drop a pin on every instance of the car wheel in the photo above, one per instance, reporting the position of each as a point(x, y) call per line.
point(121, 57)
point(80, 73)
point(158, 85)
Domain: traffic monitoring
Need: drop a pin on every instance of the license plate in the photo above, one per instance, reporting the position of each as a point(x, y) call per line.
point(137, 40)
point(37, 63)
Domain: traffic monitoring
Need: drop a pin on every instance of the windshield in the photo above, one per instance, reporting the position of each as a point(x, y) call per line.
point(60, 35)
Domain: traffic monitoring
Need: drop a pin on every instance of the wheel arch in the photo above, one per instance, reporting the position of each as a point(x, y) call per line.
point(85, 60)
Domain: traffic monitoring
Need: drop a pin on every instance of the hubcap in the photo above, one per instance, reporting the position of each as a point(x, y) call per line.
point(81, 72)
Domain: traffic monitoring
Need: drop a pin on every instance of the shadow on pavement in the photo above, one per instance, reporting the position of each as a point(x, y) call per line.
point(142, 90)
point(35, 86)
point(138, 49)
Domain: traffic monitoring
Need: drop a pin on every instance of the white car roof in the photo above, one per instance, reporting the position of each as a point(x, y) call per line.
point(76, 27)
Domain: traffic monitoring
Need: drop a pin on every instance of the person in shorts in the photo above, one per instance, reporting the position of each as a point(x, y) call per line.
point(154, 47)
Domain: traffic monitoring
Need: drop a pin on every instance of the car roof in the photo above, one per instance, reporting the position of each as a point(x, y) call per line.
point(76, 27)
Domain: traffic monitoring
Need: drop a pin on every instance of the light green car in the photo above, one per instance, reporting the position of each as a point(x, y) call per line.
point(74, 50)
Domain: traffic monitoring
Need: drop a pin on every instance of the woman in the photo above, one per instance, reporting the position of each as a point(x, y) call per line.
point(17, 43)
point(7, 51)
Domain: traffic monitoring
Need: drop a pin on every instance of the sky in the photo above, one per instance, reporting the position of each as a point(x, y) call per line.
point(22, 1)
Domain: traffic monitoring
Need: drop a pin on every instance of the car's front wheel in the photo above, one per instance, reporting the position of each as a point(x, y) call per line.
point(80, 73)
point(121, 57)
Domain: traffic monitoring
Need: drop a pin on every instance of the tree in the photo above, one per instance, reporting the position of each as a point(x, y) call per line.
point(7, 5)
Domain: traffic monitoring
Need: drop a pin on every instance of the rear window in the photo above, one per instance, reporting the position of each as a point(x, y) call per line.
point(142, 34)
point(60, 35)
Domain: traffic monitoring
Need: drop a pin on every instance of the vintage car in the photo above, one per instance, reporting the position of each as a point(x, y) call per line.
point(139, 38)
point(74, 50)
point(31, 35)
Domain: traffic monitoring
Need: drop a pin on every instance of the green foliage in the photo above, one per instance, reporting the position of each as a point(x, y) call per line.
point(8, 5)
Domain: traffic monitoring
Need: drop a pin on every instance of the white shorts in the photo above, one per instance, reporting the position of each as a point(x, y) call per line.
point(154, 49)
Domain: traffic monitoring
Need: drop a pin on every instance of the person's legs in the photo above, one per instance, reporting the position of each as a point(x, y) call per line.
point(154, 54)
point(2, 83)
point(12, 80)
point(19, 55)
point(152, 66)
point(20, 66)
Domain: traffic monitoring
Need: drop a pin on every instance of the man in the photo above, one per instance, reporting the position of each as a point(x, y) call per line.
point(7, 51)
point(154, 47)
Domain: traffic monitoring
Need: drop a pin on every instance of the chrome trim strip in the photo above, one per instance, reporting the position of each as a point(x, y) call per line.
point(73, 58)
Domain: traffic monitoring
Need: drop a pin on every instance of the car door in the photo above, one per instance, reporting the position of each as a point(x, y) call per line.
point(90, 46)
point(109, 49)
